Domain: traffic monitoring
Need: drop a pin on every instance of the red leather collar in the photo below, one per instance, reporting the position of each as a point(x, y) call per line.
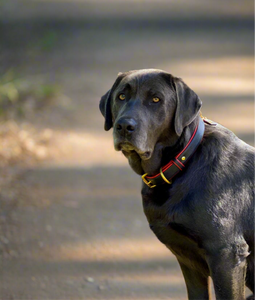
point(177, 165)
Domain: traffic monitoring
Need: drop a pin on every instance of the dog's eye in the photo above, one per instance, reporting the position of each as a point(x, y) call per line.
point(122, 97)
point(155, 99)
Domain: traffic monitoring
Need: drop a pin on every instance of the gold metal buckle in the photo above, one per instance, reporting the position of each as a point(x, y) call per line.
point(164, 177)
point(149, 183)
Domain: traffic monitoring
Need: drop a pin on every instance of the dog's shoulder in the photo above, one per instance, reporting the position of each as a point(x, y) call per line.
point(222, 143)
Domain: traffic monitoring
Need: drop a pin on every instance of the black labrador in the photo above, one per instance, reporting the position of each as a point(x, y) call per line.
point(197, 176)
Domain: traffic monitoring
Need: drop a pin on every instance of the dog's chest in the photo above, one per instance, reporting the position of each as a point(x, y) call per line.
point(174, 235)
point(171, 226)
point(166, 220)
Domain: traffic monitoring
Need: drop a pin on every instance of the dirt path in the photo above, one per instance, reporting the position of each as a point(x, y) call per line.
point(83, 235)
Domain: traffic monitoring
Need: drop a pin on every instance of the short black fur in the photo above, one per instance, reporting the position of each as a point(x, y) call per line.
point(206, 217)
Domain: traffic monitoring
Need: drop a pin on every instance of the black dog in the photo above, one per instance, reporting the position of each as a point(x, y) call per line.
point(198, 179)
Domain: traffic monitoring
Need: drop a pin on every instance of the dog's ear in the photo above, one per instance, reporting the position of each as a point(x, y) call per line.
point(105, 108)
point(187, 106)
point(105, 103)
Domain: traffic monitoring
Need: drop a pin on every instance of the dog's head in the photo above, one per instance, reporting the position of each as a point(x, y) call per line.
point(146, 107)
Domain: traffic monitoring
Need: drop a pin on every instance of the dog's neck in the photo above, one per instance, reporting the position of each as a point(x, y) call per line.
point(162, 153)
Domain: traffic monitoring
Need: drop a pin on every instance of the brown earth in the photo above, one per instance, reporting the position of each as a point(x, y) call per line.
point(81, 233)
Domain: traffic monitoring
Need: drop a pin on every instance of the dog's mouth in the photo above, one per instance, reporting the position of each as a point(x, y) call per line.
point(127, 148)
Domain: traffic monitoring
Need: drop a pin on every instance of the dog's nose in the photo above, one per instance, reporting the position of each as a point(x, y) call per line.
point(126, 126)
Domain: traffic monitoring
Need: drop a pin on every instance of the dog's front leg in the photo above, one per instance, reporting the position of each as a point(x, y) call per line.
point(197, 283)
point(228, 270)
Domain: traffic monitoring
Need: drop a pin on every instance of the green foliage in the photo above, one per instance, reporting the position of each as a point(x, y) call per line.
point(48, 40)
point(8, 88)
point(46, 91)
point(16, 95)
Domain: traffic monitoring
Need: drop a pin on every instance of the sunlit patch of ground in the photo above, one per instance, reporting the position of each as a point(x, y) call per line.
point(112, 250)
point(87, 149)
point(237, 116)
point(221, 85)
point(237, 66)
point(224, 76)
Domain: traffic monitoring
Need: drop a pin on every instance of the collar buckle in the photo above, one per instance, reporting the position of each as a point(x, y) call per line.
point(148, 183)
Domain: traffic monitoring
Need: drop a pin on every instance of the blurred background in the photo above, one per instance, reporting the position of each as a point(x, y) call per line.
point(71, 219)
